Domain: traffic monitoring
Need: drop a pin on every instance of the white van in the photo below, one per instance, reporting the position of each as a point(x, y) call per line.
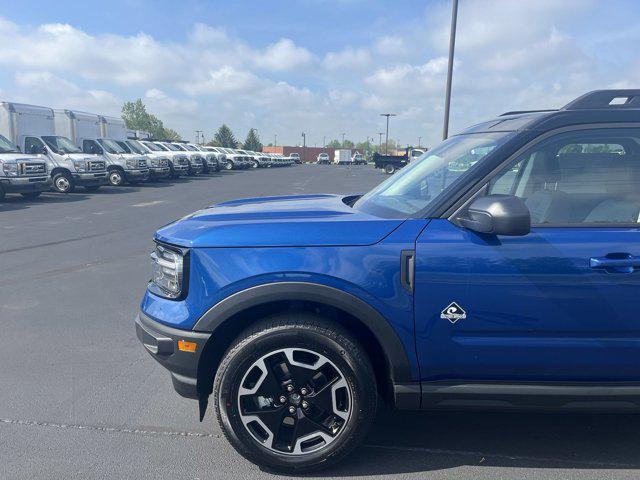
point(20, 173)
point(32, 129)
point(85, 130)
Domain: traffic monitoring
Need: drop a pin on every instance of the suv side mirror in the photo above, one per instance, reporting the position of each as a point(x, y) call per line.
point(497, 215)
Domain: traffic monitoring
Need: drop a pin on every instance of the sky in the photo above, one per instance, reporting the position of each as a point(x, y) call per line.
point(323, 67)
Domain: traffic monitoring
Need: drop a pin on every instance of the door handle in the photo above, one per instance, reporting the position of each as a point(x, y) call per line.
point(616, 263)
point(407, 269)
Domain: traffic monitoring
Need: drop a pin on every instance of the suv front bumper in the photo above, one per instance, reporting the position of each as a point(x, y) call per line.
point(159, 172)
point(162, 344)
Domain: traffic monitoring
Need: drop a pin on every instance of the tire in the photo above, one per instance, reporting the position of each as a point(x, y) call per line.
point(255, 164)
point(390, 169)
point(63, 183)
point(31, 195)
point(92, 188)
point(228, 165)
point(116, 177)
point(341, 393)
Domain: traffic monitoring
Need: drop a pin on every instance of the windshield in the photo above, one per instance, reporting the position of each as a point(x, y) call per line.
point(135, 146)
point(7, 147)
point(191, 148)
point(416, 186)
point(61, 144)
point(170, 147)
point(154, 147)
point(110, 146)
point(180, 148)
point(125, 147)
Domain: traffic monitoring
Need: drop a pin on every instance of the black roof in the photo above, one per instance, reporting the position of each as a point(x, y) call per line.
point(599, 106)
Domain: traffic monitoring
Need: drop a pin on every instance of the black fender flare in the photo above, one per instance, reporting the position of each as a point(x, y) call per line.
point(304, 291)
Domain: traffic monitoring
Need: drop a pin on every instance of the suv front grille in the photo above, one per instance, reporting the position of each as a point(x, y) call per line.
point(183, 161)
point(142, 164)
point(30, 169)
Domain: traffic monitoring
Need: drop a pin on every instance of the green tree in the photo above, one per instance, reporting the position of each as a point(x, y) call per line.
point(348, 144)
point(333, 144)
point(224, 138)
point(136, 117)
point(171, 134)
point(252, 142)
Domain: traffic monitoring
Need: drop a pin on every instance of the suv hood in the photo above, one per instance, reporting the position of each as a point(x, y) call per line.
point(291, 221)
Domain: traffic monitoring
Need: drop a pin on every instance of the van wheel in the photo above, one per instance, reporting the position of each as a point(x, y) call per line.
point(254, 164)
point(116, 178)
point(295, 393)
point(388, 168)
point(63, 183)
point(31, 195)
point(228, 165)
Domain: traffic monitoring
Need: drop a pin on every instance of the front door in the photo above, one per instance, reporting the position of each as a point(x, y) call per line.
point(561, 304)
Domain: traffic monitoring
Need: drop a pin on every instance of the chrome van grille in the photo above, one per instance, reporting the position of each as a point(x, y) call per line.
point(33, 168)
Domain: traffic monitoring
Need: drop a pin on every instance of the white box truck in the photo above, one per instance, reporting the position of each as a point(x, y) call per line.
point(21, 173)
point(84, 129)
point(32, 128)
point(342, 156)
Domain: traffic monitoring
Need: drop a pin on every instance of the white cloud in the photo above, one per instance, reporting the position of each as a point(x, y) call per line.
point(391, 45)
point(282, 55)
point(349, 58)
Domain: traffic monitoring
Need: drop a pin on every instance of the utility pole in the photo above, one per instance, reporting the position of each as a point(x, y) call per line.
point(275, 139)
point(380, 141)
point(324, 141)
point(304, 145)
point(452, 47)
point(419, 140)
point(386, 142)
point(198, 132)
point(343, 140)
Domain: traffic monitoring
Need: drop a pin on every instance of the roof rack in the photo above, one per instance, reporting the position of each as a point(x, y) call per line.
point(601, 99)
point(518, 112)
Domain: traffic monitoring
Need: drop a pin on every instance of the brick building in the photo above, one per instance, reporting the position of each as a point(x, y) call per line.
point(307, 154)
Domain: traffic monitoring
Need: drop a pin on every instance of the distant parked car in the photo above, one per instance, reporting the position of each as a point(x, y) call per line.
point(358, 159)
point(295, 156)
point(323, 159)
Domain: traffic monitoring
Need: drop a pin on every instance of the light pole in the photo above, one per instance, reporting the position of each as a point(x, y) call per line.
point(343, 140)
point(198, 132)
point(380, 141)
point(452, 47)
point(275, 139)
point(304, 144)
point(386, 141)
point(324, 141)
point(419, 140)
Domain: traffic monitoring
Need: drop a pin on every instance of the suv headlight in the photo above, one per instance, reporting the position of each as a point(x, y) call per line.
point(131, 164)
point(155, 162)
point(80, 165)
point(10, 169)
point(168, 272)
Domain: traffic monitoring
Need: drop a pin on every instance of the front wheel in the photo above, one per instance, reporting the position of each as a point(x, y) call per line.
point(63, 183)
point(228, 166)
point(116, 178)
point(296, 393)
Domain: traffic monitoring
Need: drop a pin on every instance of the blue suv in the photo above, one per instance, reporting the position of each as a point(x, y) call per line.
point(501, 269)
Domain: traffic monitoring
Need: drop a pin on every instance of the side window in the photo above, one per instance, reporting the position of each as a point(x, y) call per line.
point(33, 145)
point(91, 146)
point(584, 177)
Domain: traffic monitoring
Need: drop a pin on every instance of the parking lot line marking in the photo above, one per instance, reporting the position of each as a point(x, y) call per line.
point(148, 204)
point(105, 429)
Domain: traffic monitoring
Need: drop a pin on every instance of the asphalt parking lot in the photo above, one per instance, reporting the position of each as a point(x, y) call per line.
point(80, 398)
